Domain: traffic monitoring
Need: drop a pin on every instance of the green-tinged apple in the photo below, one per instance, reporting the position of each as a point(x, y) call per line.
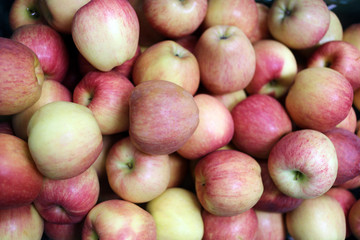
point(107, 95)
point(59, 14)
point(271, 226)
point(21, 223)
point(226, 59)
point(127, 221)
point(231, 99)
point(24, 12)
point(351, 34)
point(350, 122)
point(49, 47)
point(303, 164)
point(319, 99)
point(20, 181)
point(116, 37)
point(275, 70)
point(317, 218)
point(175, 18)
point(163, 116)
point(240, 226)
point(55, 231)
point(335, 30)
point(179, 167)
point(215, 129)
point(51, 91)
point(168, 60)
point(242, 14)
point(259, 122)
point(261, 30)
point(228, 182)
point(21, 77)
point(136, 176)
point(64, 139)
point(177, 215)
point(68, 200)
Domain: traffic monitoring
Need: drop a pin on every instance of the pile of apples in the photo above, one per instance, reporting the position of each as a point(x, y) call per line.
point(179, 119)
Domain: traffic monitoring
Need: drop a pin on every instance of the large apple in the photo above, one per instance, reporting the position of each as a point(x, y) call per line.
point(64, 139)
point(106, 33)
point(127, 221)
point(215, 129)
point(259, 122)
point(24, 12)
point(168, 60)
point(21, 77)
point(163, 116)
point(226, 59)
point(271, 226)
point(177, 215)
point(228, 182)
point(319, 99)
point(136, 176)
point(303, 164)
point(298, 24)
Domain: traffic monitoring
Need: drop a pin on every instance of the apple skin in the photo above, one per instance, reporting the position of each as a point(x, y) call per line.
point(49, 47)
point(51, 91)
point(177, 215)
point(116, 37)
point(351, 34)
point(350, 122)
point(163, 116)
point(21, 182)
point(136, 176)
point(188, 42)
point(340, 56)
point(61, 150)
point(69, 200)
point(21, 223)
point(242, 14)
point(261, 30)
point(259, 122)
point(107, 95)
point(223, 70)
point(241, 226)
point(334, 32)
point(351, 184)
point(231, 99)
point(275, 70)
point(298, 24)
point(215, 129)
point(228, 182)
point(292, 163)
point(174, 18)
point(272, 199)
point(317, 218)
point(56, 231)
point(271, 226)
point(333, 94)
point(127, 221)
point(6, 127)
point(179, 167)
point(24, 12)
point(354, 219)
point(20, 86)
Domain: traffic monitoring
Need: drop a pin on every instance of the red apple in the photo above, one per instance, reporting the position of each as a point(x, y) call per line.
point(188, 42)
point(6, 127)
point(354, 219)
point(261, 30)
point(126, 68)
point(352, 183)
point(24, 12)
point(271, 226)
point(179, 167)
point(55, 231)
point(350, 122)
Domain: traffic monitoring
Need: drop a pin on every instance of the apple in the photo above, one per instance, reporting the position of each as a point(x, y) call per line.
point(271, 226)
point(127, 221)
point(59, 14)
point(335, 30)
point(240, 226)
point(64, 139)
point(24, 12)
point(272, 199)
point(188, 42)
point(126, 68)
point(21, 223)
point(223, 69)
point(20, 86)
point(179, 167)
point(347, 145)
point(55, 231)
point(318, 218)
point(228, 182)
point(69, 200)
point(163, 116)
point(6, 127)
point(116, 37)
point(242, 14)
point(231, 99)
point(161, 60)
point(340, 56)
point(259, 122)
point(175, 18)
point(351, 34)
point(275, 70)
point(49, 47)
point(215, 129)
point(319, 99)
point(177, 215)
point(106, 94)
point(136, 176)
point(351, 184)
point(350, 122)
point(261, 30)
point(51, 91)
point(303, 164)
point(354, 219)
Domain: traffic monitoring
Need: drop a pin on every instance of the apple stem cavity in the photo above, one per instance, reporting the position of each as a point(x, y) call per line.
point(298, 175)
point(33, 12)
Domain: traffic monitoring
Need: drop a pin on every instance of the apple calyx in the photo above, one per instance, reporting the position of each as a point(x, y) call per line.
point(33, 12)
point(298, 176)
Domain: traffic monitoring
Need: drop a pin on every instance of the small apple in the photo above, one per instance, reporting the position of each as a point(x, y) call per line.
point(24, 12)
